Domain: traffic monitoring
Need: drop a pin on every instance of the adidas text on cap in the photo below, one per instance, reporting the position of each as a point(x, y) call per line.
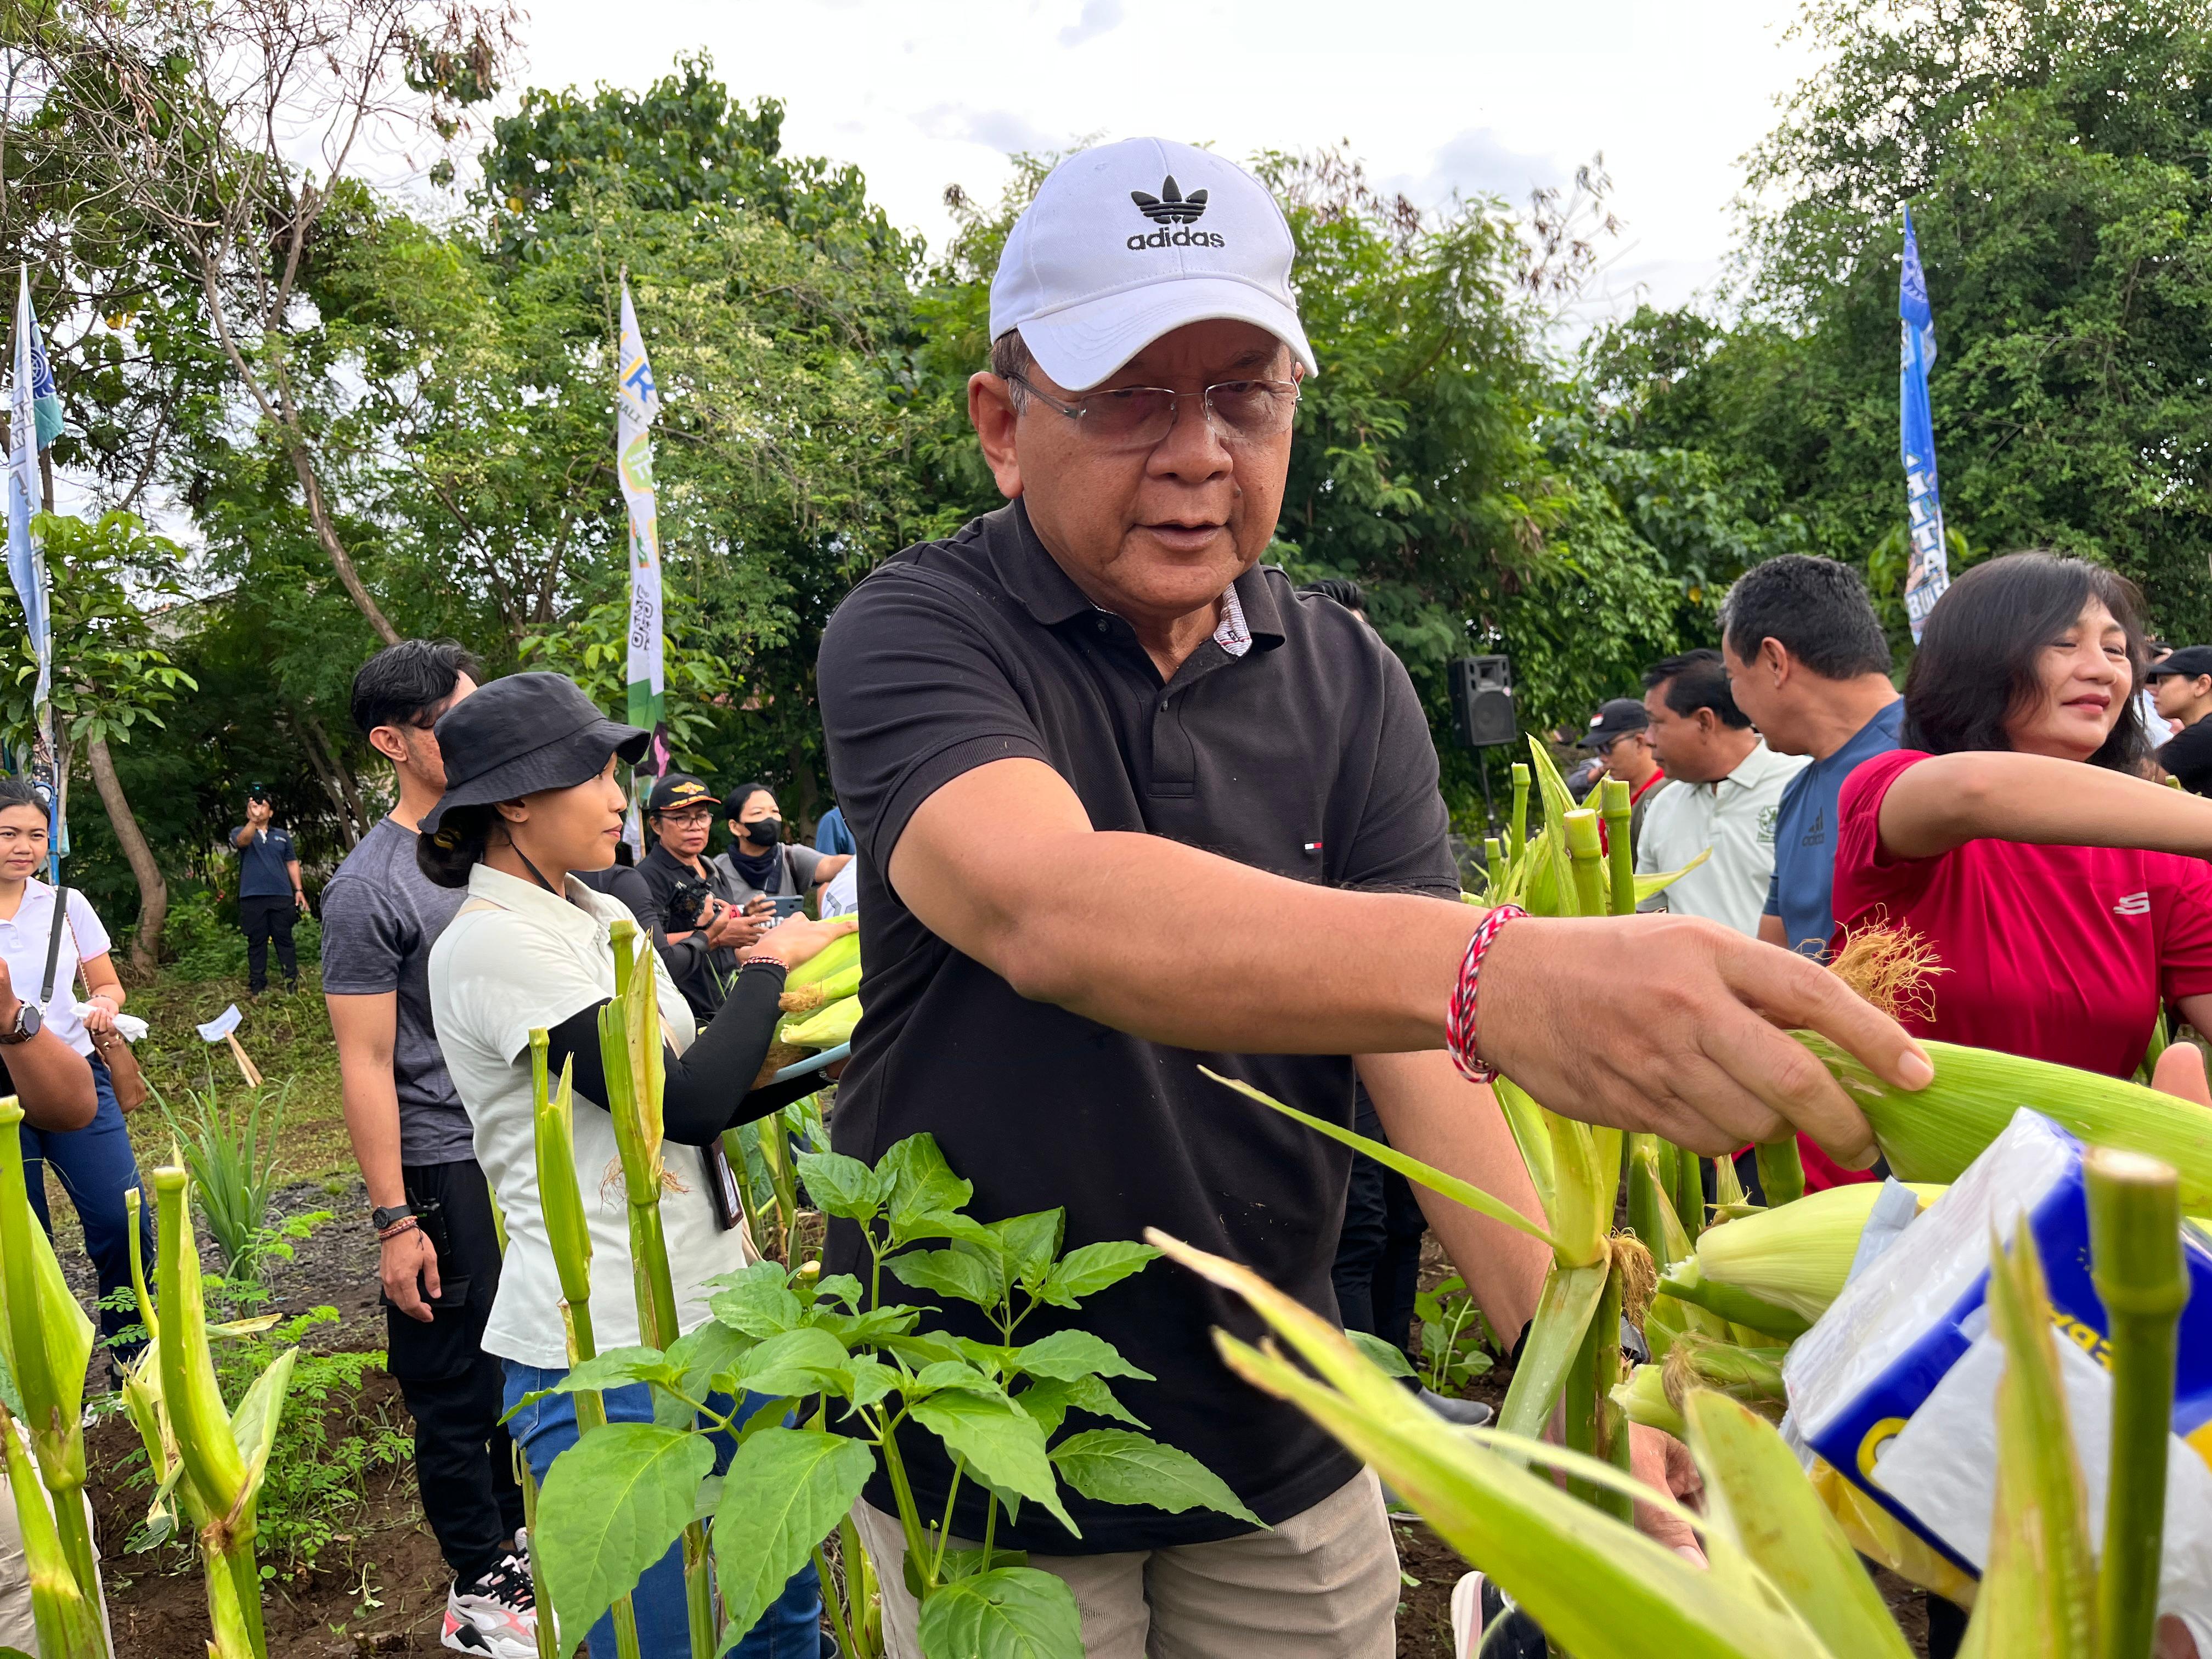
point(1130, 241)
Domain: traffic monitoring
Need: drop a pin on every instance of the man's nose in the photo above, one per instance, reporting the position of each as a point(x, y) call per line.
point(1193, 446)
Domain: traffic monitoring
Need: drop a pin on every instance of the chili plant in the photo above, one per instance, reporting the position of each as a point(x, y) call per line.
point(857, 1371)
point(1453, 1338)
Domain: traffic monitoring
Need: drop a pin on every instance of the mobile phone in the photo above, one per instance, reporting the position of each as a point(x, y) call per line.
point(787, 904)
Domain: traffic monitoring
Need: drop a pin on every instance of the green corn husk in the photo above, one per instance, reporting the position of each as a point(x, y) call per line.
point(1934, 1133)
point(66, 1619)
point(1591, 894)
point(2136, 1262)
point(1781, 1172)
point(1750, 1376)
point(46, 1340)
point(1644, 1397)
point(1686, 1282)
point(825, 1029)
point(1517, 846)
point(1620, 857)
point(841, 953)
point(1493, 862)
point(806, 999)
point(1796, 1257)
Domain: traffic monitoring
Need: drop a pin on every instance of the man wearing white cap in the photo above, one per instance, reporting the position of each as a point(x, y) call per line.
point(1127, 805)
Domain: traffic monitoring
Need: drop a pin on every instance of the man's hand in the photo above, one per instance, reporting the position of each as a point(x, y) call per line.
point(1660, 1462)
point(1670, 1024)
point(409, 1267)
point(257, 814)
point(299, 898)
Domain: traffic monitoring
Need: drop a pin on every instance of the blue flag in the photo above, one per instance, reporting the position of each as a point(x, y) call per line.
point(33, 420)
point(1928, 573)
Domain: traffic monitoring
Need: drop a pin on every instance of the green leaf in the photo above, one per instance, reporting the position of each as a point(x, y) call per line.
point(704, 1355)
point(1090, 1269)
point(1001, 1440)
point(786, 1491)
point(920, 1348)
point(948, 1273)
point(758, 1301)
point(842, 1186)
point(1756, 1490)
point(612, 1504)
point(1387, 1356)
point(1030, 1241)
point(921, 1180)
point(798, 1362)
point(946, 1224)
point(1067, 1355)
point(253, 1424)
point(865, 1379)
point(841, 1289)
point(1049, 1400)
point(1010, 1612)
point(1570, 1296)
point(1420, 1174)
point(1115, 1466)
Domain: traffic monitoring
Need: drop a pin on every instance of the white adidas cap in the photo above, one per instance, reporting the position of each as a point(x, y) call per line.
point(1130, 241)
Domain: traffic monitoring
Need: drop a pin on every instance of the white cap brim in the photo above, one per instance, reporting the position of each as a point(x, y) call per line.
point(1080, 345)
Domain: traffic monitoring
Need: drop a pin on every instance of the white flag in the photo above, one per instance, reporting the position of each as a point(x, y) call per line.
point(637, 401)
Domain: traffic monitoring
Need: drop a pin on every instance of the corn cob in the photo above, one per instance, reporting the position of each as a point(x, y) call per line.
point(841, 953)
point(1934, 1134)
point(1798, 1256)
point(827, 1028)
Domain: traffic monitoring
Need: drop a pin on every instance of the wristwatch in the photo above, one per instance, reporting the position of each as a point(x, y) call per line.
point(381, 1218)
point(27, 1023)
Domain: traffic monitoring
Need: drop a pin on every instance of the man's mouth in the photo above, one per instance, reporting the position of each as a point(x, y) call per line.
point(1185, 536)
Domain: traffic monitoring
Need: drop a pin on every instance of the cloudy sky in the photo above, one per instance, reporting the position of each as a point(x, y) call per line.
point(1435, 95)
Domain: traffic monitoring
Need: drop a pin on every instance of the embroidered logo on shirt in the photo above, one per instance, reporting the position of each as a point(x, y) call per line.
point(1817, 835)
point(2135, 904)
point(1767, 815)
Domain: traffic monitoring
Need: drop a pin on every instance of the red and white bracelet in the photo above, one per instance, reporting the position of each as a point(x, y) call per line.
point(1459, 1023)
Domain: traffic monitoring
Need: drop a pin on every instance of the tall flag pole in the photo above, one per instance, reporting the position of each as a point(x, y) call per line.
point(1928, 573)
point(637, 401)
point(34, 419)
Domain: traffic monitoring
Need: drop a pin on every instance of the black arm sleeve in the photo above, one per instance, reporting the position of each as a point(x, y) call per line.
point(709, 1087)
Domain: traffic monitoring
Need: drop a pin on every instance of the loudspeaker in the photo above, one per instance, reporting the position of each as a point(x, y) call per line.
point(1481, 692)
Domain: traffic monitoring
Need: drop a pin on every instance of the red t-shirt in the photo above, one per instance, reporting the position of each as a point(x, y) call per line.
point(2058, 953)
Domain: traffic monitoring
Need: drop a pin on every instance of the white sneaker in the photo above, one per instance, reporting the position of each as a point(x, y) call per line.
point(496, 1616)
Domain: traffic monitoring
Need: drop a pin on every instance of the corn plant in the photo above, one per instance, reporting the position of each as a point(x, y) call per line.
point(1784, 1577)
point(46, 1340)
point(828, 1349)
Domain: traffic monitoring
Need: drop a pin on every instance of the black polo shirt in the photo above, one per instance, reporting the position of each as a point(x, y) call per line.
point(2188, 756)
point(1309, 756)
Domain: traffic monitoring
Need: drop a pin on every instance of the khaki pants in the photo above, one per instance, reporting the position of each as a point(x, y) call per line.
point(1321, 1585)
point(16, 1627)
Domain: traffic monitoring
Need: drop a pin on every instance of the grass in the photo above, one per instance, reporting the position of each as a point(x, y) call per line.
point(287, 1035)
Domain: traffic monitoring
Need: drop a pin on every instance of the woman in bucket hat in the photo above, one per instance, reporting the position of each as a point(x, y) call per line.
point(531, 796)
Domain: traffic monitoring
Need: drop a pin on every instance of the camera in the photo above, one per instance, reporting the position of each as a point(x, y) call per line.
point(690, 905)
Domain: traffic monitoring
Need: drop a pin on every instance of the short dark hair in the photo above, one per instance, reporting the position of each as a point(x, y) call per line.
point(397, 685)
point(20, 792)
point(1980, 657)
point(1694, 680)
point(736, 800)
point(1346, 593)
point(1010, 359)
point(1817, 608)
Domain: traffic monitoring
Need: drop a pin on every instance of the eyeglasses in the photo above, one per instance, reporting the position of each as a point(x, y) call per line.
point(1141, 417)
point(687, 820)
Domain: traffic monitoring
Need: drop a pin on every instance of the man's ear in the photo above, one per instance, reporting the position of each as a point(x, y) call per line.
point(1774, 659)
point(990, 412)
point(387, 742)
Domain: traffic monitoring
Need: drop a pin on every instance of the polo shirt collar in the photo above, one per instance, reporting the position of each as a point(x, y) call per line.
point(1027, 570)
point(571, 915)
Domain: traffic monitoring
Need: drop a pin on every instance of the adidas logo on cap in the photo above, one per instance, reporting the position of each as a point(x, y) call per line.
point(1172, 207)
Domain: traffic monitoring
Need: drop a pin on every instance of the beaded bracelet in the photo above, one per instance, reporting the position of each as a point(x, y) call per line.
point(1459, 1023)
point(406, 1224)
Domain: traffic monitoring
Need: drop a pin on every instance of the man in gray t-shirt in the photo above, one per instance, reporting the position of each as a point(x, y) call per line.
point(439, 1253)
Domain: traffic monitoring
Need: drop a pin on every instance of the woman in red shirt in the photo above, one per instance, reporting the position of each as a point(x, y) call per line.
point(2065, 895)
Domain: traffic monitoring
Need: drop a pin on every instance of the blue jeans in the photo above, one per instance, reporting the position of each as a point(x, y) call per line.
point(790, 1629)
point(96, 1169)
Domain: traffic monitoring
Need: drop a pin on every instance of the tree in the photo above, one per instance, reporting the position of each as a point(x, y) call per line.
point(184, 122)
point(2053, 154)
point(109, 675)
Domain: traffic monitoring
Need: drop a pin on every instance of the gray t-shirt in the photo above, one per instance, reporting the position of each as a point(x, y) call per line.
point(380, 916)
point(791, 873)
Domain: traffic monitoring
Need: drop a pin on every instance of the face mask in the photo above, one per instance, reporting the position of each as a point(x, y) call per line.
point(763, 832)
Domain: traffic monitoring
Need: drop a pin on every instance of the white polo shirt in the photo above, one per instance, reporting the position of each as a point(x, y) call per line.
point(513, 958)
point(23, 939)
point(1735, 818)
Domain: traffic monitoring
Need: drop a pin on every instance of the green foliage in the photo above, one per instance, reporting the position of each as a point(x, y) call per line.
point(1456, 1338)
point(231, 1151)
point(2053, 152)
point(831, 1352)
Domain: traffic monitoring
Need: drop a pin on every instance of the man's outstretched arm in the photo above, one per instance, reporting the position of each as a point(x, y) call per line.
point(1660, 1023)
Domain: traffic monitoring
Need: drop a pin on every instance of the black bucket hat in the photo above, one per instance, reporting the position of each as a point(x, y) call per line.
point(523, 734)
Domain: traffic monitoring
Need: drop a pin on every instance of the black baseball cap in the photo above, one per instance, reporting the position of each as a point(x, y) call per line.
point(521, 734)
point(2190, 661)
point(1615, 719)
point(677, 790)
